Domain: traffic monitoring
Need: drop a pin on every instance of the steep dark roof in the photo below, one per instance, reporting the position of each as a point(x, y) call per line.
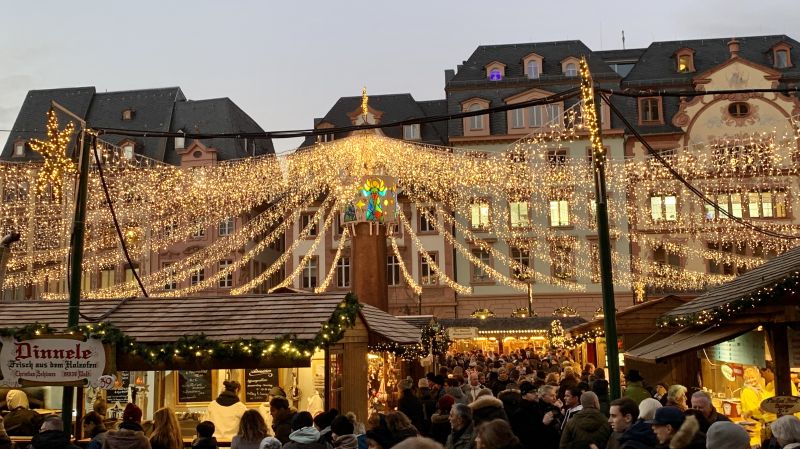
point(395, 107)
point(766, 276)
point(32, 119)
point(657, 65)
point(619, 55)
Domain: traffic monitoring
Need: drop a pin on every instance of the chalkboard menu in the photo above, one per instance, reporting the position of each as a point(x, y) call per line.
point(258, 382)
point(195, 386)
point(120, 391)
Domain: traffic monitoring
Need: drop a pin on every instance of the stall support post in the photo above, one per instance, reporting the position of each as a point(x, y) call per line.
point(779, 346)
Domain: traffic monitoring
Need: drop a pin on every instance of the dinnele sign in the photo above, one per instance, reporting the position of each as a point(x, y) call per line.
point(52, 361)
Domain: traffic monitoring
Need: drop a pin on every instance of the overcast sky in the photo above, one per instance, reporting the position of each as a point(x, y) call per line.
point(285, 63)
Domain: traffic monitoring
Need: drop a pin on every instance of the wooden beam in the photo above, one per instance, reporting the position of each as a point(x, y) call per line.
point(777, 336)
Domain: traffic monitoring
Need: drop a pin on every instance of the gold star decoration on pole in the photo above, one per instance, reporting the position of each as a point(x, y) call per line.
point(54, 151)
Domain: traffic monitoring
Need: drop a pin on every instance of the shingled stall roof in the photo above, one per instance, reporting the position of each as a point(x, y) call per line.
point(165, 320)
point(686, 340)
point(742, 292)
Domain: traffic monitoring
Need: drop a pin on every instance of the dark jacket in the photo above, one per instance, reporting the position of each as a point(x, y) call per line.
point(98, 436)
point(283, 427)
point(500, 385)
point(550, 436)
point(126, 439)
point(22, 422)
point(588, 426)
point(463, 439)
point(5, 443)
point(52, 439)
point(412, 407)
point(440, 427)
point(203, 443)
point(638, 436)
point(487, 408)
point(526, 423)
point(688, 436)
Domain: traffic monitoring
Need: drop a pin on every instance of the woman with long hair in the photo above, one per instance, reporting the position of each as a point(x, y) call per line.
point(166, 431)
point(496, 434)
point(252, 430)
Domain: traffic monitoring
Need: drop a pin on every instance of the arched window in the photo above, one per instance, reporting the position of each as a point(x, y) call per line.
point(475, 122)
point(571, 69)
point(496, 75)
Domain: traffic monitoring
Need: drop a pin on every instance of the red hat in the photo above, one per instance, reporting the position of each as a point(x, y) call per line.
point(132, 413)
point(446, 403)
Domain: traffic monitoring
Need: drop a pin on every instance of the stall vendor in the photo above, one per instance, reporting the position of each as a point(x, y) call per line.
point(226, 411)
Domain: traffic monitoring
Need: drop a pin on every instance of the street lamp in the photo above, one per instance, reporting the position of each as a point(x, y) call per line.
point(528, 280)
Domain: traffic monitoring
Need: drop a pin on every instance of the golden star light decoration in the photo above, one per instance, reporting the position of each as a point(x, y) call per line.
point(54, 151)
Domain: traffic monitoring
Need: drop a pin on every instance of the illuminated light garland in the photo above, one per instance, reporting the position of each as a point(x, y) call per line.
point(412, 284)
point(482, 314)
point(441, 275)
point(54, 152)
point(332, 271)
point(311, 250)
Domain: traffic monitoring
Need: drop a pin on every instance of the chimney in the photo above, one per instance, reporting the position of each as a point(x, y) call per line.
point(733, 47)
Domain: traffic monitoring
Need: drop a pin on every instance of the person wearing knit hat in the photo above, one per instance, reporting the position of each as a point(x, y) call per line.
point(130, 434)
point(440, 421)
point(727, 435)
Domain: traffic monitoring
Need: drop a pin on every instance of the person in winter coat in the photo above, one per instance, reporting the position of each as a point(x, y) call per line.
point(282, 417)
point(263, 408)
point(588, 426)
point(205, 436)
point(676, 397)
point(226, 411)
point(727, 435)
point(21, 420)
point(252, 429)
point(463, 429)
point(496, 434)
point(94, 428)
point(526, 422)
point(5, 441)
point(634, 388)
point(487, 408)
point(342, 431)
point(550, 406)
point(304, 435)
point(786, 430)
point(52, 435)
point(166, 430)
point(411, 405)
point(323, 423)
point(440, 421)
point(130, 434)
point(674, 430)
point(400, 427)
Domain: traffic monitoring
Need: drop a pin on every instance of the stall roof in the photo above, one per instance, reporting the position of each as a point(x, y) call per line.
point(767, 275)
point(389, 327)
point(685, 340)
point(497, 325)
point(418, 321)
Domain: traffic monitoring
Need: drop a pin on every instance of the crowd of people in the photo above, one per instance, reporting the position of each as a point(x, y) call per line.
point(474, 400)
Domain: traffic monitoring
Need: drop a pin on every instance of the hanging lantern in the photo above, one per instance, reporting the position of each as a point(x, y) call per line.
point(565, 312)
point(522, 312)
point(482, 314)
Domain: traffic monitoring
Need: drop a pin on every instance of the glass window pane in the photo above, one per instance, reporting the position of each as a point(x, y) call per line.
point(655, 208)
point(752, 204)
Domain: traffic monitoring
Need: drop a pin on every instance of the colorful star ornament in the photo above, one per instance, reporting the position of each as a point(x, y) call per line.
point(54, 151)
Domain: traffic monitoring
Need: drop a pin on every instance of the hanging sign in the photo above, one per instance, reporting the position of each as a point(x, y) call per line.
point(462, 333)
point(781, 405)
point(56, 360)
point(727, 372)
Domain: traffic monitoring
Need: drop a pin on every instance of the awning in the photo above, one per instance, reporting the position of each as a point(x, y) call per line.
point(686, 340)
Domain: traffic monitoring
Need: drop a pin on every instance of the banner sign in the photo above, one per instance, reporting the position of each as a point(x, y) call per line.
point(51, 361)
point(462, 333)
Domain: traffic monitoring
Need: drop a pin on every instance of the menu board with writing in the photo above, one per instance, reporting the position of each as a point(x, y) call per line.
point(119, 393)
point(258, 382)
point(195, 386)
point(747, 349)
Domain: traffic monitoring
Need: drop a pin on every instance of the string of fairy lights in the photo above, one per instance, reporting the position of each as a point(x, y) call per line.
point(752, 175)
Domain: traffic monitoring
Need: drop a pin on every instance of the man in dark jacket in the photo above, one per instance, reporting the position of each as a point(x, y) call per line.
point(282, 417)
point(410, 404)
point(628, 430)
point(550, 407)
point(674, 430)
point(52, 435)
point(588, 426)
point(526, 422)
point(463, 434)
point(701, 401)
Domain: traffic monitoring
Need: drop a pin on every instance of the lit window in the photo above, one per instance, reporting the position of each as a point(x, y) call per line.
point(519, 214)
point(309, 279)
point(226, 227)
point(496, 75)
point(129, 273)
point(107, 278)
point(479, 273)
point(227, 280)
point(664, 208)
point(559, 213)
point(393, 270)
point(198, 276)
point(766, 204)
point(536, 116)
point(479, 215)
point(557, 158)
point(571, 69)
point(475, 122)
point(19, 149)
point(523, 257)
point(728, 202)
point(305, 221)
point(648, 110)
point(562, 259)
point(343, 272)
point(127, 151)
point(427, 274)
point(739, 109)
point(781, 59)
point(518, 118)
point(595, 255)
point(171, 283)
point(127, 114)
point(684, 63)
point(533, 69)
point(411, 132)
point(180, 143)
point(425, 219)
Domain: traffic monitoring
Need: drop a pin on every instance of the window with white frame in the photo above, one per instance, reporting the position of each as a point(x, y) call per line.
point(555, 115)
point(107, 277)
point(766, 204)
point(557, 158)
point(728, 202)
point(171, 282)
point(520, 217)
point(475, 122)
point(559, 213)
point(411, 132)
point(781, 59)
point(343, 272)
point(427, 217)
point(533, 69)
point(522, 256)
point(518, 118)
point(479, 272)
point(305, 220)
point(479, 215)
point(19, 149)
point(309, 278)
point(198, 230)
point(571, 69)
point(426, 272)
point(536, 116)
point(226, 226)
point(649, 110)
point(225, 281)
point(198, 276)
point(392, 270)
point(664, 208)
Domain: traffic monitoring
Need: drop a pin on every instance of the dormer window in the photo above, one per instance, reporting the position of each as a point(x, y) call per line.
point(533, 69)
point(127, 114)
point(571, 69)
point(180, 143)
point(495, 71)
point(411, 132)
point(476, 121)
point(495, 75)
point(782, 55)
point(684, 59)
point(19, 149)
point(532, 64)
point(127, 151)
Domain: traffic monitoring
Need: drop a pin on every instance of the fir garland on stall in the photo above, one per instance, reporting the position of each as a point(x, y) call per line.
point(202, 347)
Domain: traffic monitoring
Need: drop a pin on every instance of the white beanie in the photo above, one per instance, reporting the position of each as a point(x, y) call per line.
point(727, 435)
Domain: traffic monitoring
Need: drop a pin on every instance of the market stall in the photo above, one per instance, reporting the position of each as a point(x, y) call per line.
point(502, 334)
